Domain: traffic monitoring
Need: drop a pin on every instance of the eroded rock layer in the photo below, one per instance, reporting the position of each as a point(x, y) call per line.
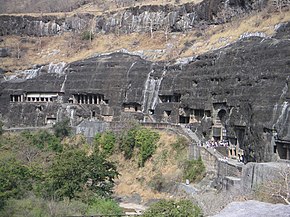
point(135, 19)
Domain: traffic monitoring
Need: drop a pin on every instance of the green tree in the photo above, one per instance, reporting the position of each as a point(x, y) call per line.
point(28, 207)
point(38, 207)
point(146, 142)
point(127, 143)
point(45, 140)
point(100, 206)
point(171, 208)
point(13, 179)
point(194, 170)
point(105, 142)
point(73, 172)
point(62, 129)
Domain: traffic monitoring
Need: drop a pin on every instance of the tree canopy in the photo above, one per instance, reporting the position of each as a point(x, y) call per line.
point(171, 208)
point(73, 172)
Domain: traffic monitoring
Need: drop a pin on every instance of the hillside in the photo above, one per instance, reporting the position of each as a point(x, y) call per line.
point(22, 51)
point(216, 71)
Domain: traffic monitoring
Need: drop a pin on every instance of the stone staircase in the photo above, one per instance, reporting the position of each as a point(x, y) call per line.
point(224, 165)
point(192, 135)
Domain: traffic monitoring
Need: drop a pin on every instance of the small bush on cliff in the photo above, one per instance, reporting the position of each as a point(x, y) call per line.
point(180, 144)
point(87, 35)
point(62, 129)
point(43, 140)
point(171, 208)
point(105, 142)
point(146, 142)
point(104, 207)
point(159, 183)
point(193, 170)
point(142, 140)
point(127, 143)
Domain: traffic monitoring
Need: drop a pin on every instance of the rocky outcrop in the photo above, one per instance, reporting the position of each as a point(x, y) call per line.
point(255, 209)
point(255, 174)
point(42, 26)
point(4, 52)
point(149, 18)
point(175, 18)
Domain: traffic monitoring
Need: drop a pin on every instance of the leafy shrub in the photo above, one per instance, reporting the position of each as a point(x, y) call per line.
point(140, 138)
point(146, 142)
point(62, 129)
point(180, 144)
point(171, 208)
point(73, 171)
point(105, 142)
point(43, 140)
point(87, 35)
point(104, 207)
point(157, 182)
point(38, 207)
point(30, 207)
point(127, 143)
point(193, 170)
point(13, 179)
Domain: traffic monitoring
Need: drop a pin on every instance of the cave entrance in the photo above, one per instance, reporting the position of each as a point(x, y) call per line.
point(283, 149)
point(170, 98)
point(132, 107)
point(183, 119)
point(151, 111)
point(198, 114)
point(50, 120)
point(240, 134)
point(93, 114)
point(217, 133)
point(221, 116)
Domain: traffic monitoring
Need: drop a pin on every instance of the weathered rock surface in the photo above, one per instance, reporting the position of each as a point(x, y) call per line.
point(42, 26)
point(4, 52)
point(254, 209)
point(175, 18)
point(245, 83)
point(136, 19)
point(255, 174)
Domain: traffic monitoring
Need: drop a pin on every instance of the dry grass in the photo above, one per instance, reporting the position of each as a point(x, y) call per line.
point(111, 6)
point(218, 36)
point(135, 180)
point(101, 6)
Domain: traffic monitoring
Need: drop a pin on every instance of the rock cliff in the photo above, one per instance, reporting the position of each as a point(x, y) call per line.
point(42, 26)
point(242, 87)
point(134, 19)
point(254, 208)
point(175, 18)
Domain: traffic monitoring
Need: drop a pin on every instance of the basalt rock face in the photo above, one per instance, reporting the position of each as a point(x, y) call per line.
point(175, 18)
point(243, 87)
point(254, 208)
point(42, 26)
point(136, 19)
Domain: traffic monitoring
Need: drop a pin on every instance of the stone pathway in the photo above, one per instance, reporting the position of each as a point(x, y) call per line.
point(132, 208)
